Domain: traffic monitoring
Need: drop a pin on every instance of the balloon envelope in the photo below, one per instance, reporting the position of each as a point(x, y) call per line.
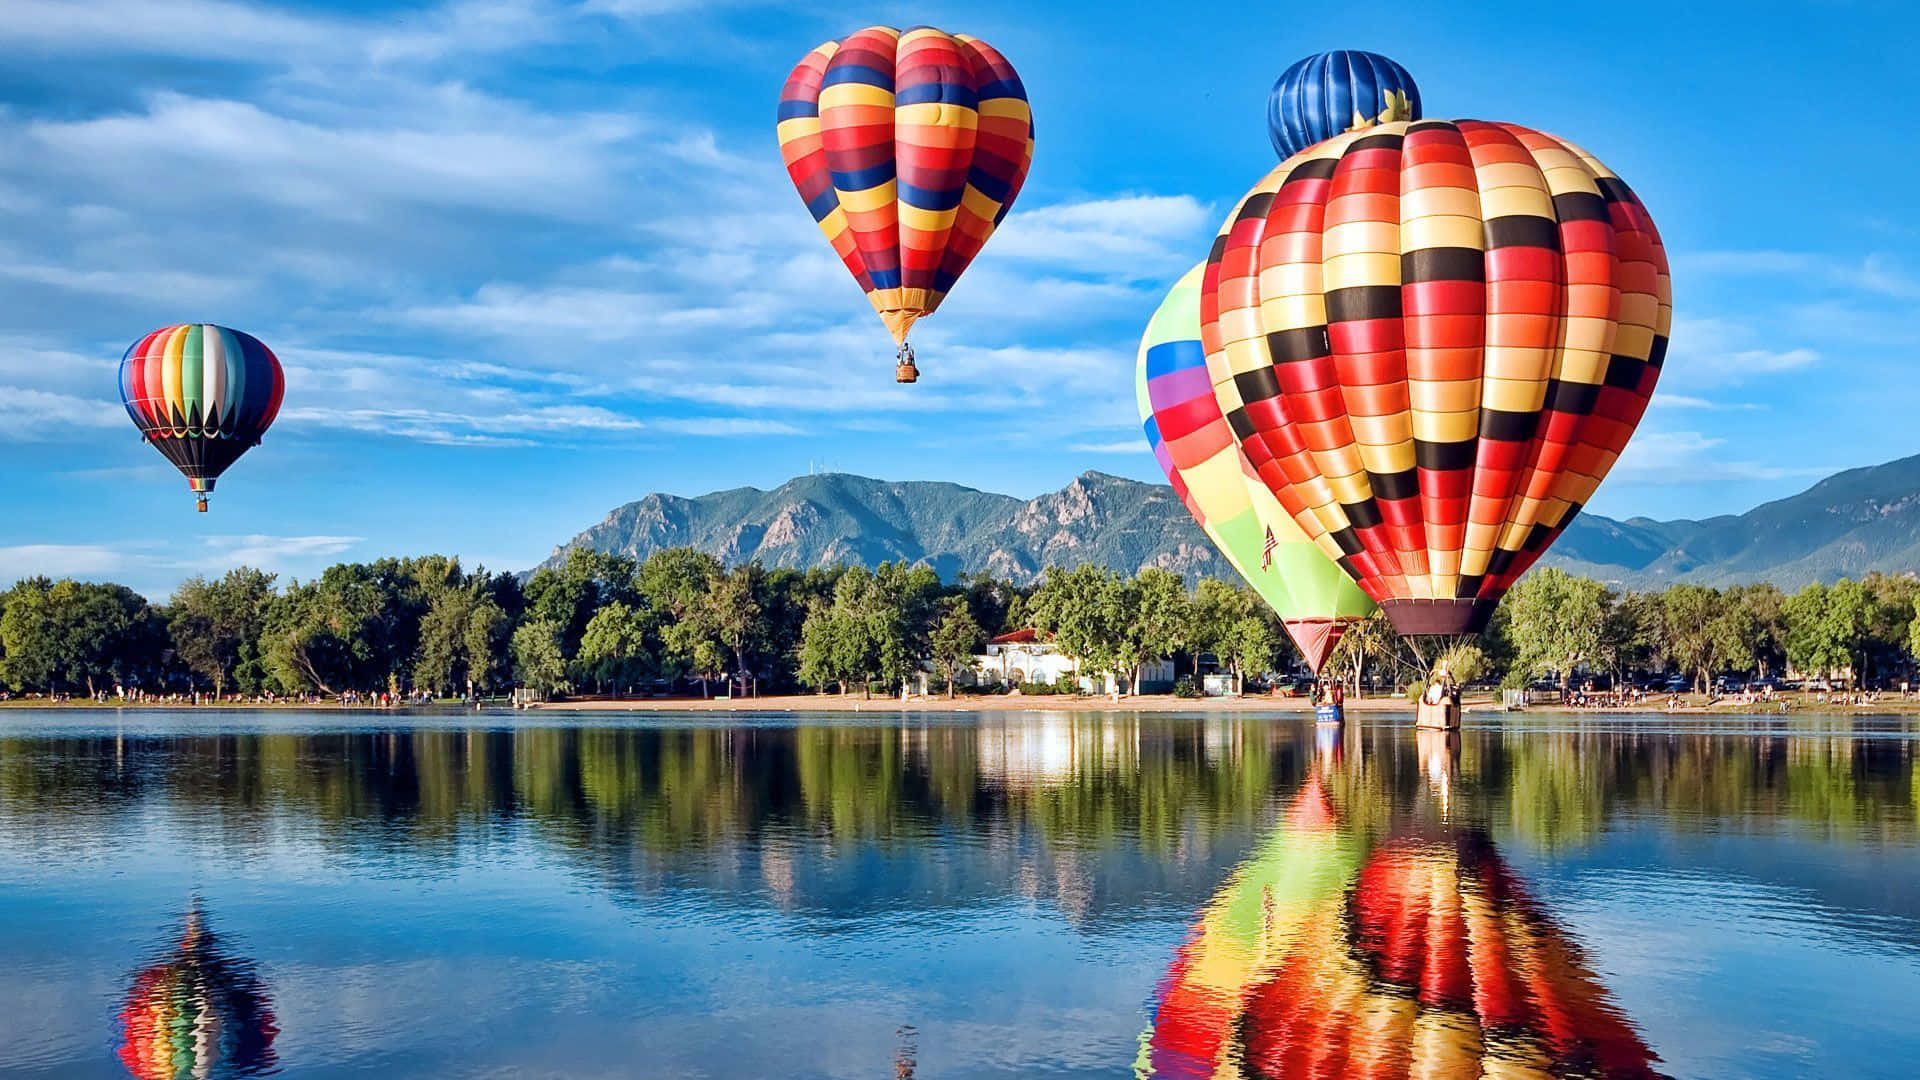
point(1201, 457)
point(1333, 92)
point(202, 395)
point(908, 149)
point(1434, 340)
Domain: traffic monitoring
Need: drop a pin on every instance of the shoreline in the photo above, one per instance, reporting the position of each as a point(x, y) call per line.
point(1478, 705)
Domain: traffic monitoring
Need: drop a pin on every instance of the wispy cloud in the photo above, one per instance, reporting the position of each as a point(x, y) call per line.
point(36, 415)
point(1696, 459)
point(144, 562)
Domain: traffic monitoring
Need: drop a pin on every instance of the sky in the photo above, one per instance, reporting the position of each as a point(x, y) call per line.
point(525, 260)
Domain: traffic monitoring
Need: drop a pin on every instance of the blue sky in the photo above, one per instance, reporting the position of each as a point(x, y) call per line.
point(527, 259)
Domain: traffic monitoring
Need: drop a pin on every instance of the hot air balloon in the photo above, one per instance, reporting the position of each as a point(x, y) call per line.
point(908, 148)
point(1196, 449)
point(202, 395)
point(1333, 92)
point(1436, 963)
point(197, 1013)
point(1432, 341)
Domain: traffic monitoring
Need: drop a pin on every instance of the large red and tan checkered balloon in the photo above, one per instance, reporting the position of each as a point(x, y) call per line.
point(908, 148)
point(1433, 340)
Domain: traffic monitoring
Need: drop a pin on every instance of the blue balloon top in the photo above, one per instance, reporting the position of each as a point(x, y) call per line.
point(1331, 92)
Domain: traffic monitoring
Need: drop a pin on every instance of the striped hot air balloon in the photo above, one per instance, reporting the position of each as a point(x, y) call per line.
point(1333, 92)
point(202, 395)
point(1197, 450)
point(1433, 340)
point(908, 149)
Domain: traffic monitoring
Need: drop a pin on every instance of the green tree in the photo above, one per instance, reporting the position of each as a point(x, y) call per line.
point(955, 640)
point(216, 626)
point(1763, 614)
point(615, 647)
point(1235, 625)
point(899, 610)
point(332, 633)
point(568, 596)
point(1826, 626)
point(1702, 631)
point(1555, 622)
point(463, 639)
point(1073, 607)
point(537, 659)
point(1630, 637)
point(679, 584)
point(837, 642)
point(734, 614)
point(66, 634)
point(1251, 645)
point(1163, 615)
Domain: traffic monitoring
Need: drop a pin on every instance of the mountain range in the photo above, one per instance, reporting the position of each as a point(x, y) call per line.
point(1846, 525)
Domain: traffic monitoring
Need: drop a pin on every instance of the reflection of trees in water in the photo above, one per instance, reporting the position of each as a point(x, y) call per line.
point(1075, 803)
point(197, 1012)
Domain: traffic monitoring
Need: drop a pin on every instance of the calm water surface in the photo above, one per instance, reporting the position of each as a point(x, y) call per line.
point(229, 894)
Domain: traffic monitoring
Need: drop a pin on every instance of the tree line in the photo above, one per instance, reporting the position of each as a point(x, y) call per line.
point(681, 620)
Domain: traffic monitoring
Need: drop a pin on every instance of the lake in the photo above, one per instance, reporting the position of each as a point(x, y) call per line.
point(223, 893)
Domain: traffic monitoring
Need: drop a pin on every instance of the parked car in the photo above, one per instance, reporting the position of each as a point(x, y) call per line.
point(1678, 684)
point(1300, 687)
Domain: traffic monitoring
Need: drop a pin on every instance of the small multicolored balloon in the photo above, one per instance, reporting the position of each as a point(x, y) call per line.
point(202, 395)
point(1333, 92)
point(908, 149)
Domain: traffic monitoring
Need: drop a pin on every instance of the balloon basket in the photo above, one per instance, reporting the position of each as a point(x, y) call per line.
point(1329, 715)
point(200, 503)
point(905, 372)
point(1444, 716)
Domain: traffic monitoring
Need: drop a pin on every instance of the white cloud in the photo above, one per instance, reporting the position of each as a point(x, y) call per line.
point(1664, 400)
point(143, 562)
point(186, 28)
point(725, 425)
point(185, 150)
point(1695, 459)
point(37, 415)
point(58, 561)
point(1131, 234)
point(1875, 273)
point(1717, 352)
point(1122, 446)
point(258, 549)
point(181, 286)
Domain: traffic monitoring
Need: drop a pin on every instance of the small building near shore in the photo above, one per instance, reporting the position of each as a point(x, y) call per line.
point(1026, 656)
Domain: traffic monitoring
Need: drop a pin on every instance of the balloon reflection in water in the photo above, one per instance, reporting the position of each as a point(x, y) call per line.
point(1424, 958)
point(1245, 930)
point(198, 1013)
point(1437, 963)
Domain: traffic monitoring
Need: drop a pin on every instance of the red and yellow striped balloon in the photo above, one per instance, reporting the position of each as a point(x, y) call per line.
point(1433, 340)
point(908, 149)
